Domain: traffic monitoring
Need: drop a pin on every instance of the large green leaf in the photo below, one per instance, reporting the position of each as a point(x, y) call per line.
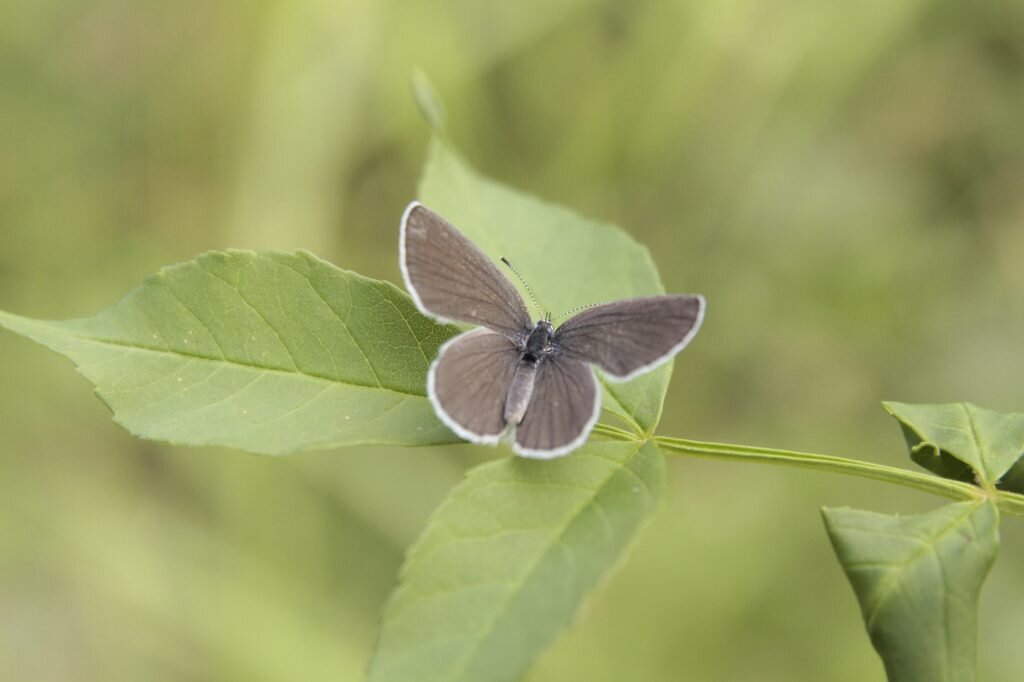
point(963, 441)
point(267, 353)
point(506, 560)
point(567, 259)
point(917, 579)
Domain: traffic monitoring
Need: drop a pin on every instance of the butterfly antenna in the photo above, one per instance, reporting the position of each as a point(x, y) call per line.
point(577, 309)
point(533, 299)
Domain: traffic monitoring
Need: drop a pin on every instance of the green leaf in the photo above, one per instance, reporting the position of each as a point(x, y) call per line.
point(505, 562)
point(917, 579)
point(567, 259)
point(269, 353)
point(962, 441)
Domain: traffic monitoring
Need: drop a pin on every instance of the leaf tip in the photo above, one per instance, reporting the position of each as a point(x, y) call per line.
point(427, 101)
point(891, 407)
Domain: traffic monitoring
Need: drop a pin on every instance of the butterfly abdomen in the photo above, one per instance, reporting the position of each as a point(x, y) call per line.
point(520, 391)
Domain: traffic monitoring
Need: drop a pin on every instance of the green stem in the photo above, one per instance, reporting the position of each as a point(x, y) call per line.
point(613, 432)
point(956, 490)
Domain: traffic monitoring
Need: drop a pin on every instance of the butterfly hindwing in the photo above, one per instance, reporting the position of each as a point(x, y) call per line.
point(468, 384)
point(562, 410)
point(626, 338)
point(449, 278)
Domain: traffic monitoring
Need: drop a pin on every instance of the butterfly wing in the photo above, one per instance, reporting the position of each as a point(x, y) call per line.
point(450, 279)
point(627, 338)
point(468, 384)
point(562, 410)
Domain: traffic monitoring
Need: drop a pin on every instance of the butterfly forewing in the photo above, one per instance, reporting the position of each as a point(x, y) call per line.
point(450, 278)
point(469, 381)
point(563, 409)
point(628, 337)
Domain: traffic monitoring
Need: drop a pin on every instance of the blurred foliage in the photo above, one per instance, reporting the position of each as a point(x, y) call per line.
point(841, 181)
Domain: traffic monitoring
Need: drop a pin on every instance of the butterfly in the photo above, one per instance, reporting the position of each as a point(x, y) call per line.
point(513, 377)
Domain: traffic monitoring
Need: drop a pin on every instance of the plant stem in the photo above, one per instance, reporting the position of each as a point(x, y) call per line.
point(956, 490)
point(613, 432)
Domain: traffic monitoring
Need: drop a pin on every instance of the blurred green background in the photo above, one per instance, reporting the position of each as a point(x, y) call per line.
point(843, 181)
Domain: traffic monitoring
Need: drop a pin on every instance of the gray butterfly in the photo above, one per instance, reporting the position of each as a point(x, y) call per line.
point(512, 375)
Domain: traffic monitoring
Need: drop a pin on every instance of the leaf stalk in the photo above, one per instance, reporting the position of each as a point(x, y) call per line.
point(1010, 503)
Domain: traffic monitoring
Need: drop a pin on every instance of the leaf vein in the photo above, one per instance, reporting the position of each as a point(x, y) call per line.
point(892, 580)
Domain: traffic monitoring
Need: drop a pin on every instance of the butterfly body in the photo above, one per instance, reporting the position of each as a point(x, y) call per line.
point(520, 391)
point(535, 346)
point(511, 376)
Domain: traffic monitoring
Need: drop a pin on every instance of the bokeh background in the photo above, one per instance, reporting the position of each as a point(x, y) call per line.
point(843, 181)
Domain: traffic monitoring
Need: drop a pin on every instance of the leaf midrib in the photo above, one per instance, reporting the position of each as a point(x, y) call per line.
point(979, 446)
point(899, 567)
point(226, 360)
